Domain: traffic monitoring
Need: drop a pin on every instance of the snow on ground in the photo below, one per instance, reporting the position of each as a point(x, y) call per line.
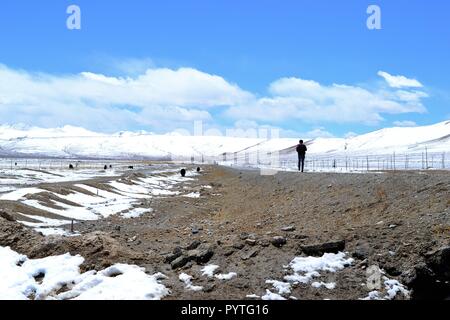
point(124, 198)
point(305, 269)
point(272, 296)
point(187, 279)
point(392, 288)
point(44, 279)
point(209, 271)
point(34, 176)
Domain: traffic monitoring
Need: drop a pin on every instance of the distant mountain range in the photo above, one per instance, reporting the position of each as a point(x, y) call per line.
point(74, 142)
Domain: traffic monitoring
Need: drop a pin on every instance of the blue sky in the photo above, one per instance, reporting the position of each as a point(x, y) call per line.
point(307, 67)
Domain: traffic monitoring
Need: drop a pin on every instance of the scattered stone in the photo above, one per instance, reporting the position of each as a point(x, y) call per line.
point(228, 252)
point(201, 256)
point(278, 241)
point(183, 172)
point(264, 243)
point(321, 249)
point(179, 262)
point(251, 242)
point(288, 229)
point(362, 251)
point(195, 230)
point(117, 228)
point(392, 226)
point(239, 246)
point(252, 253)
point(209, 287)
point(244, 236)
point(133, 239)
point(194, 245)
point(172, 257)
point(6, 216)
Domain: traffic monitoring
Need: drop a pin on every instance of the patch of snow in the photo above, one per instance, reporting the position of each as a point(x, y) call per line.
point(282, 287)
point(187, 279)
point(209, 270)
point(20, 194)
point(227, 276)
point(272, 296)
point(194, 195)
point(43, 278)
point(329, 286)
point(310, 266)
point(136, 213)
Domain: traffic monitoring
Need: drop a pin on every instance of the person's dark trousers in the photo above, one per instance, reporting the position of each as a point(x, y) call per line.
point(301, 162)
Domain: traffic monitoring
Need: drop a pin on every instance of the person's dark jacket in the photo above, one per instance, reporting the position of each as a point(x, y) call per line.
point(301, 150)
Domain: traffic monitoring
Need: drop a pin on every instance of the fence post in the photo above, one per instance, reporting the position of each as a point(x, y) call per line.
point(394, 161)
point(426, 157)
point(367, 163)
point(443, 160)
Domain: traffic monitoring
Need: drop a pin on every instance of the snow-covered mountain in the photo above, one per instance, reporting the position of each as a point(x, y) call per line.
point(71, 141)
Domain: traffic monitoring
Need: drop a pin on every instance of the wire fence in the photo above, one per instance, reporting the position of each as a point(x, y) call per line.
point(260, 159)
point(342, 162)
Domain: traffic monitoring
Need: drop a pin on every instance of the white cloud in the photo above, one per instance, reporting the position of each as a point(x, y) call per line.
point(405, 123)
point(399, 81)
point(162, 99)
point(309, 101)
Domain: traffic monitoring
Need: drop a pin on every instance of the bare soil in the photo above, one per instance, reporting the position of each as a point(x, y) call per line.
point(395, 220)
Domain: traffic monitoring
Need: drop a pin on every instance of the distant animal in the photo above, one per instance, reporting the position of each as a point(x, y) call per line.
point(183, 172)
point(106, 167)
point(110, 166)
point(71, 166)
point(130, 167)
point(198, 169)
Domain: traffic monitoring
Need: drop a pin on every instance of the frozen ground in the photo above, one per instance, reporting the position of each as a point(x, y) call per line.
point(127, 197)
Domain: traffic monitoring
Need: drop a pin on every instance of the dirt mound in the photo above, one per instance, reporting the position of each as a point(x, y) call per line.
point(17, 236)
point(99, 250)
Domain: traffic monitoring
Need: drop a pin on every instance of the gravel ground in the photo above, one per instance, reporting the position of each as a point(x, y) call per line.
point(397, 221)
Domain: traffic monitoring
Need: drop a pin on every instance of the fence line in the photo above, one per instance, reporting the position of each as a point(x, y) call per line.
point(397, 161)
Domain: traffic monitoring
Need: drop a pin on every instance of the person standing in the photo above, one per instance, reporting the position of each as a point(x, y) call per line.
point(301, 150)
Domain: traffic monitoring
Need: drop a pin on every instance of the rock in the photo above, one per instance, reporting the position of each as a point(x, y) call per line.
point(244, 236)
point(133, 239)
point(320, 249)
point(278, 241)
point(173, 256)
point(252, 253)
point(439, 262)
point(264, 243)
point(228, 252)
point(209, 287)
point(117, 228)
point(201, 255)
point(251, 242)
point(6, 216)
point(238, 246)
point(288, 229)
point(362, 251)
point(300, 237)
point(195, 230)
point(179, 262)
point(194, 245)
